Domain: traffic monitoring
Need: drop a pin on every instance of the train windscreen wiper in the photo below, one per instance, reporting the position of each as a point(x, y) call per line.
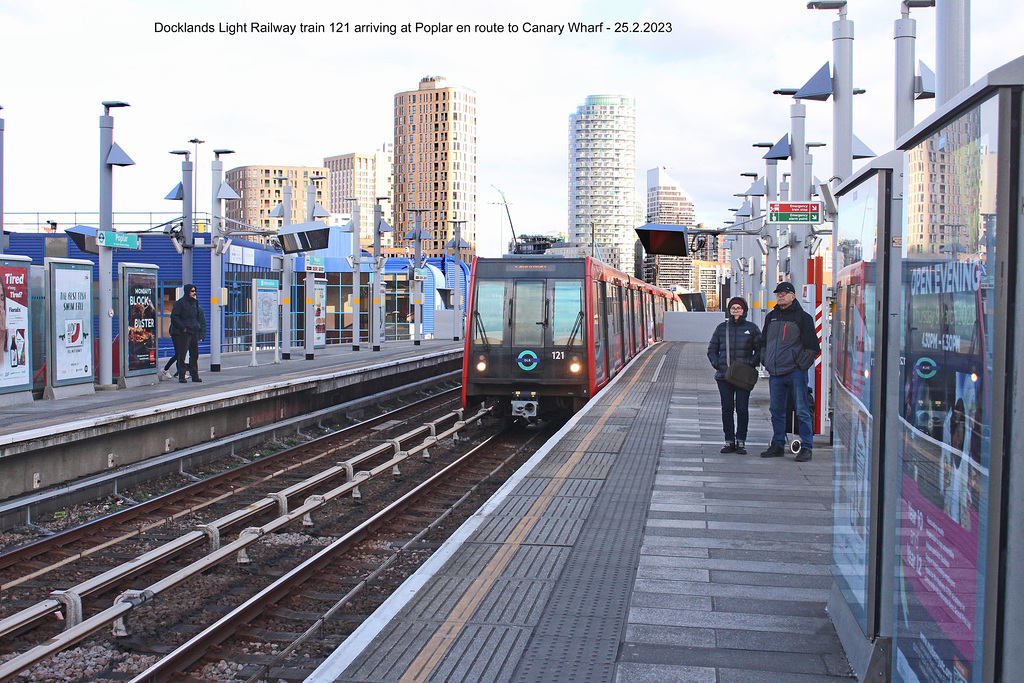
point(576, 329)
point(482, 330)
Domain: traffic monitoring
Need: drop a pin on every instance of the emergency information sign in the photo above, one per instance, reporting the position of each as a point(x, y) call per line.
point(794, 212)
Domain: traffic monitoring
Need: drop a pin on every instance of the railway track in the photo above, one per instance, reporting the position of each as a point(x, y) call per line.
point(168, 558)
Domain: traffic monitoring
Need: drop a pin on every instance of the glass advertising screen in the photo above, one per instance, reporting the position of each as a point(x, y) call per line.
point(15, 331)
point(946, 390)
point(854, 353)
point(140, 320)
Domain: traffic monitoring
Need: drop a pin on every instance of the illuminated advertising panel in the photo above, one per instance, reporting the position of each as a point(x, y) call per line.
point(70, 354)
point(138, 320)
point(15, 331)
point(853, 338)
point(946, 396)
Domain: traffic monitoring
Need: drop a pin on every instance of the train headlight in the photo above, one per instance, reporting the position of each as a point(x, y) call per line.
point(575, 365)
point(481, 363)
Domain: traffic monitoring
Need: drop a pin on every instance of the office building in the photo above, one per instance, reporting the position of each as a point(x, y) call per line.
point(435, 164)
point(602, 177)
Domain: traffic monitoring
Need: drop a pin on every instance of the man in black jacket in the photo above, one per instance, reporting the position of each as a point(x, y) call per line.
point(188, 328)
point(791, 346)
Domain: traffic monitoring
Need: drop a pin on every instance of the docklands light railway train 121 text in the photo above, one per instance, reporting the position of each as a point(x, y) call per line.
point(545, 333)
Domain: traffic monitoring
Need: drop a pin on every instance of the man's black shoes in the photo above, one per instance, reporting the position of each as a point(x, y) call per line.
point(728, 448)
point(774, 451)
point(804, 455)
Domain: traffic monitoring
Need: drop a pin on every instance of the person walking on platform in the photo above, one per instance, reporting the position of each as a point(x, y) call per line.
point(734, 340)
point(188, 328)
point(791, 346)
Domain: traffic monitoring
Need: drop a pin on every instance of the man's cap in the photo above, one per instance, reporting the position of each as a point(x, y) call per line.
point(785, 287)
point(189, 289)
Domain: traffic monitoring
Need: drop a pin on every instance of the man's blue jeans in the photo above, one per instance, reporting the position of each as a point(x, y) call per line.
point(780, 390)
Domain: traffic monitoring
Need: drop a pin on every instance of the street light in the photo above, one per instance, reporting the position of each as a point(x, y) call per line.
point(457, 243)
point(417, 234)
point(354, 263)
point(377, 309)
point(184, 193)
point(313, 211)
point(219, 242)
point(195, 142)
point(284, 212)
point(110, 155)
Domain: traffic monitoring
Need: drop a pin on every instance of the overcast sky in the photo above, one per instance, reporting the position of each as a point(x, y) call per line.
point(703, 90)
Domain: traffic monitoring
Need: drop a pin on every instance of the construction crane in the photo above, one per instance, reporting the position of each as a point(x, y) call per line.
point(509, 214)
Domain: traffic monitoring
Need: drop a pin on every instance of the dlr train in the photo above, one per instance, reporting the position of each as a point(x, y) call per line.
point(544, 333)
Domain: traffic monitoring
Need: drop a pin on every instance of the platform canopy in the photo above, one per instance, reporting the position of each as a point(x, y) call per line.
point(670, 240)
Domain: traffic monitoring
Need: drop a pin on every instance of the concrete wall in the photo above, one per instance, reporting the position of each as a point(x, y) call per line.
point(691, 326)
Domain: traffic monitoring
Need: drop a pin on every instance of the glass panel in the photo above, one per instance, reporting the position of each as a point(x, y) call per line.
point(489, 313)
point(528, 306)
point(567, 321)
point(853, 351)
point(946, 386)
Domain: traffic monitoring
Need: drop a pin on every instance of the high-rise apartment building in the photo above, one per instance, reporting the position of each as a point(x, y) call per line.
point(435, 164)
point(668, 204)
point(261, 191)
point(364, 177)
point(602, 177)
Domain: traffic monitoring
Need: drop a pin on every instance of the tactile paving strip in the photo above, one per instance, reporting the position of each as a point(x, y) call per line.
point(578, 636)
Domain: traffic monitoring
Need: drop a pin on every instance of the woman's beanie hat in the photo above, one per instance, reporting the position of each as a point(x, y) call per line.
point(738, 300)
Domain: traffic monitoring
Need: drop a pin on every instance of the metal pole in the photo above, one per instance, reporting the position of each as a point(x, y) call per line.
point(186, 221)
point(771, 234)
point(377, 308)
point(310, 280)
point(106, 313)
point(216, 262)
point(842, 99)
point(953, 49)
point(357, 255)
point(757, 274)
point(417, 325)
point(460, 321)
point(286, 276)
point(905, 34)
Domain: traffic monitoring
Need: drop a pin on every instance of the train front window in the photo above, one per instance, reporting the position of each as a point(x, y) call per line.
point(567, 319)
point(528, 316)
point(488, 313)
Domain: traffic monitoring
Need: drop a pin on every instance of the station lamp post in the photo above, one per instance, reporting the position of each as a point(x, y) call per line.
point(380, 226)
point(313, 211)
point(417, 235)
point(457, 243)
point(354, 263)
point(221, 191)
point(110, 155)
point(284, 212)
point(184, 193)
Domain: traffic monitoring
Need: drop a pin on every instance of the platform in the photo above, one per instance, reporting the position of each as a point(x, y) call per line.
point(627, 549)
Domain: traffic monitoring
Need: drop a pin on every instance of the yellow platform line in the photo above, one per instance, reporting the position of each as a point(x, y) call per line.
point(430, 656)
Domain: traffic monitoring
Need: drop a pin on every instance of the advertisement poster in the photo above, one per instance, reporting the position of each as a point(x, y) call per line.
point(16, 368)
point(853, 337)
point(320, 314)
point(141, 320)
point(71, 359)
point(266, 306)
point(945, 408)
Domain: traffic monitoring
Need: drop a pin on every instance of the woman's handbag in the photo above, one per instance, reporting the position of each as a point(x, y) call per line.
point(739, 374)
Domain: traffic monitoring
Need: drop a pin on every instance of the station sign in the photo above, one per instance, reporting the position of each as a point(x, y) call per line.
point(118, 240)
point(794, 212)
point(315, 264)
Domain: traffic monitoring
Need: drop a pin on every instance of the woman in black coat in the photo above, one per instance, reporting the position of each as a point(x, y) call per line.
point(744, 346)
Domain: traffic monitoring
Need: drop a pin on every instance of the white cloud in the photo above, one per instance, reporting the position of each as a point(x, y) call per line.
point(703, 91)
